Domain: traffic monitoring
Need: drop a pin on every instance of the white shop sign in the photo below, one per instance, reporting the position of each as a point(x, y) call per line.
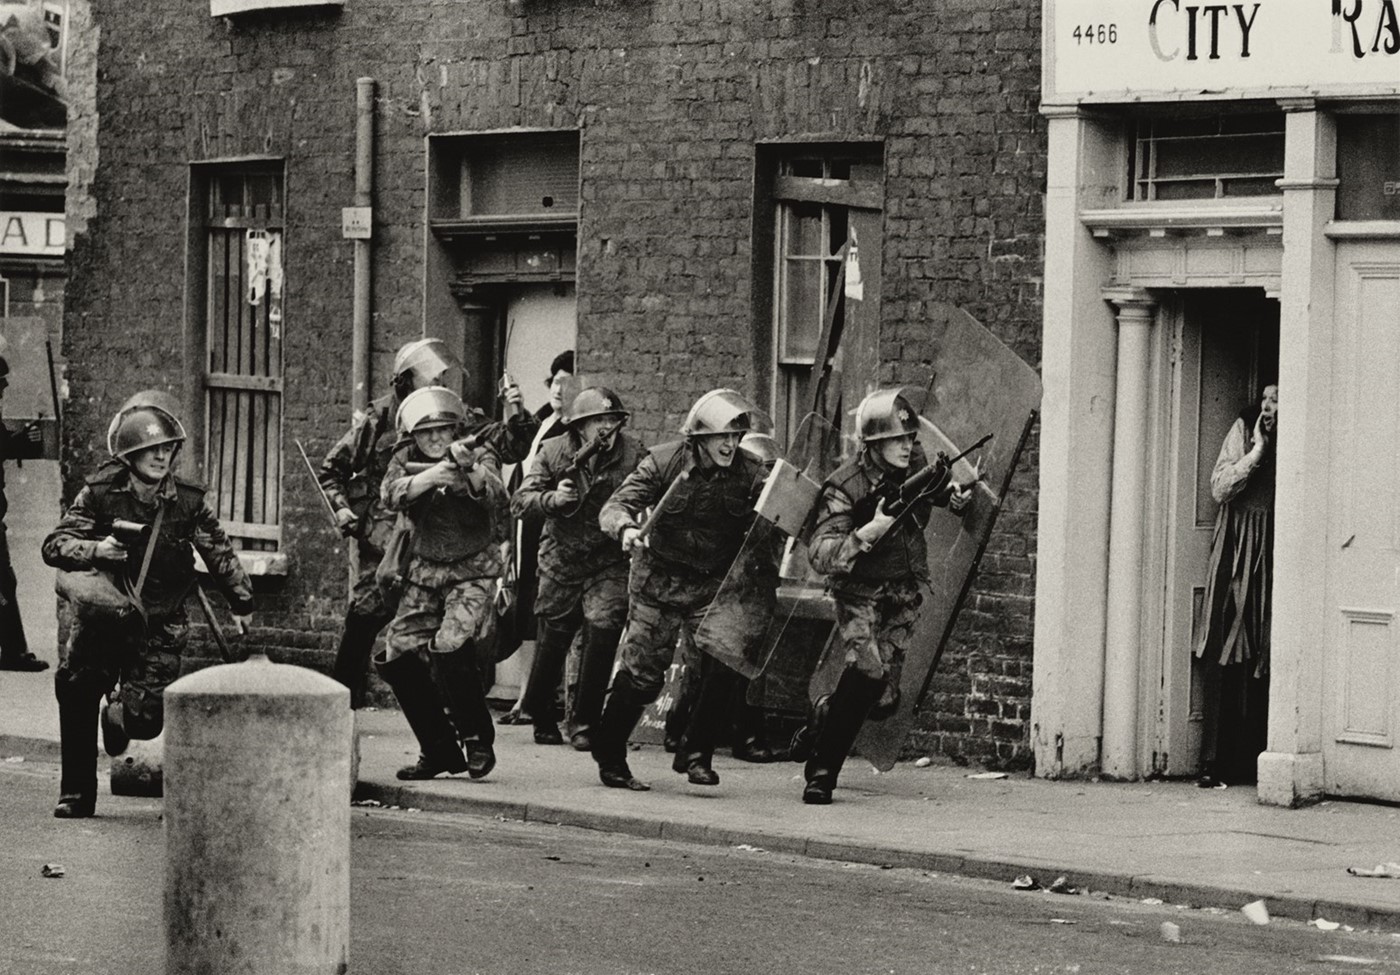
point(1125, 50)
point(39, 234)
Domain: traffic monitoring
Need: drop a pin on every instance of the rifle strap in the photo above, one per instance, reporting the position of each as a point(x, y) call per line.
point(150, 553)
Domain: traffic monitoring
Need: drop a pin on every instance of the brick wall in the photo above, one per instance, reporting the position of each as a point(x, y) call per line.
point(670, 98)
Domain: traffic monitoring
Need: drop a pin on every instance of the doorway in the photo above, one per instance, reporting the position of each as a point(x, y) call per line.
point(1224, 347)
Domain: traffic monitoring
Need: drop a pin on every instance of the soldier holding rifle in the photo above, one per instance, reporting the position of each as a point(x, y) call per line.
point(869, 543)
point(350, 477)
point(582, 572)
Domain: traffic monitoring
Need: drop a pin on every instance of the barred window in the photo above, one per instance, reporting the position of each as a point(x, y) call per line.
point(241, 235)
point(1205, 157)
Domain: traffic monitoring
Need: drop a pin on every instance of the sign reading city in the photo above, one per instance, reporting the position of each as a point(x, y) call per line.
point(1130, 50)
point(34, 234)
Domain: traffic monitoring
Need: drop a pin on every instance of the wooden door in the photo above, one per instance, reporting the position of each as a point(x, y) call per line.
point(1225, 346)
point(1361, 706)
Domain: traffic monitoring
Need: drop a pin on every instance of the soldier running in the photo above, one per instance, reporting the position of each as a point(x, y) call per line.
point(875, 571)
point(452, 495)
point(351, 475)
point(582, 572)
point(136, 494)
point(703, 488)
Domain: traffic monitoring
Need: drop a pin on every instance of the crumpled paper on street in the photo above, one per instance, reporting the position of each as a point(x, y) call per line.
point(1391, 869)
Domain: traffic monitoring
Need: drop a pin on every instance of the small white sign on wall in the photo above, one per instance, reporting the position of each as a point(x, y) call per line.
point(356, 223)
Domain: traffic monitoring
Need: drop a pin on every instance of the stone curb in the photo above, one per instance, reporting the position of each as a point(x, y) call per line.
point(1134, 886)
point(41, 749)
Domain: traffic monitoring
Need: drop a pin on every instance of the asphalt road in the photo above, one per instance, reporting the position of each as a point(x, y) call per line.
point(454, 894)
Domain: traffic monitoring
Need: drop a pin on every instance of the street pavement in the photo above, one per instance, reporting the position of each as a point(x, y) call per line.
point(449, 894)
point(1162, 840)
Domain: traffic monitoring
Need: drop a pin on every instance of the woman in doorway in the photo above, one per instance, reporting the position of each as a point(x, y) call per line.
point(1235, 647)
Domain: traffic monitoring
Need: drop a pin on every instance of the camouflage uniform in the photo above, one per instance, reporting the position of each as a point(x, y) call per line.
point(582, 573)
point(351, 476)
point(143, 654)
point(673, 581)
point(446, 611)
point(878, 590)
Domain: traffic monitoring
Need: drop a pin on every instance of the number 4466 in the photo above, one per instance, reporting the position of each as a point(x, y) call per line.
point(1096, 34)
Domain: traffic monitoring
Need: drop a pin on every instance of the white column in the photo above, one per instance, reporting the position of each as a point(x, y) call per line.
point(1076, 438)
point(1290, 771)
point(1123, 632)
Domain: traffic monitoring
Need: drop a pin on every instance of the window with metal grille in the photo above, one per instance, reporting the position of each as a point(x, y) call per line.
point(821, 195)
point(1205, 157)
point(243, 281)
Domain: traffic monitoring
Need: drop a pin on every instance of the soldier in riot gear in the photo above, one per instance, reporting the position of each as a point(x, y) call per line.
point(451, 494)
point(702, 489)
point(351, 475)
point(582, 572)
point(875, 571)
point(138, 653)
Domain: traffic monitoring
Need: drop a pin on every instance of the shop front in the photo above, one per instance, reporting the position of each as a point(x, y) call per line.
point(1222, 216)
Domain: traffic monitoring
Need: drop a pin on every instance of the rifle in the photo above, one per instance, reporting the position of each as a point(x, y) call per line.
point(899, 498)
point(460, 454)
point(316, 480)
point(582, 456)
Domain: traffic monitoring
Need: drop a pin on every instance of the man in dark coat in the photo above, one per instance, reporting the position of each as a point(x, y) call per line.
point(20, 445)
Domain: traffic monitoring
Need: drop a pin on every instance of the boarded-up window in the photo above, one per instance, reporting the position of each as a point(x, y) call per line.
point(823, 196)
point(243, 253)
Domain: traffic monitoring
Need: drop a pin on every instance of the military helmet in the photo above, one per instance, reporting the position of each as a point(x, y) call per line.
point(719, 411)
point(429, 407)
point(761, 446)
point(423, 360)
point(884, 414)
point(594, 401)
point(139, 427)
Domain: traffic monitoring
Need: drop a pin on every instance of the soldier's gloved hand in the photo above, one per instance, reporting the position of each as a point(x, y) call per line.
point(110, 550)
point(873, 530)
point(440, 475)
point(960, 498)
point(463, 453)
point(244, 622)
point(632, 539)
point(565, 494)
point(346, 521)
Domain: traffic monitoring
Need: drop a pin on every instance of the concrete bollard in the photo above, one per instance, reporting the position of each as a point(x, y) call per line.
point(257, 821)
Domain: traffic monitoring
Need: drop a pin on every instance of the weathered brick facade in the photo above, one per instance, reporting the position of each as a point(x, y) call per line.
point(670, 99)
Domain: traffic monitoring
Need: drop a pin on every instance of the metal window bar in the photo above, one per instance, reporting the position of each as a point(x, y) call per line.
point(244, 381)
point(1215, 152)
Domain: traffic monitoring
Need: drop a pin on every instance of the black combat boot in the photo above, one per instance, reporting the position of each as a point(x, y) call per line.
point(351, 666)
point(748, 744)
point(846, 711)
point(412, 684)
point(551, 650)
point(77, 729)
point(621, 713)
point(594, 668)
point(697, 747)
point(459, 681)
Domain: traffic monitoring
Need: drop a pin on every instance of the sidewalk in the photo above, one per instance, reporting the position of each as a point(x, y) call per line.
point(1172, 841)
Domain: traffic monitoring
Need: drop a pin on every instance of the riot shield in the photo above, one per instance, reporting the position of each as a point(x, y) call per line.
point(980, 386)
point(745, 620)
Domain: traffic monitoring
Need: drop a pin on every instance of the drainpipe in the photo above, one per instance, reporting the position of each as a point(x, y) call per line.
point(364, 197)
